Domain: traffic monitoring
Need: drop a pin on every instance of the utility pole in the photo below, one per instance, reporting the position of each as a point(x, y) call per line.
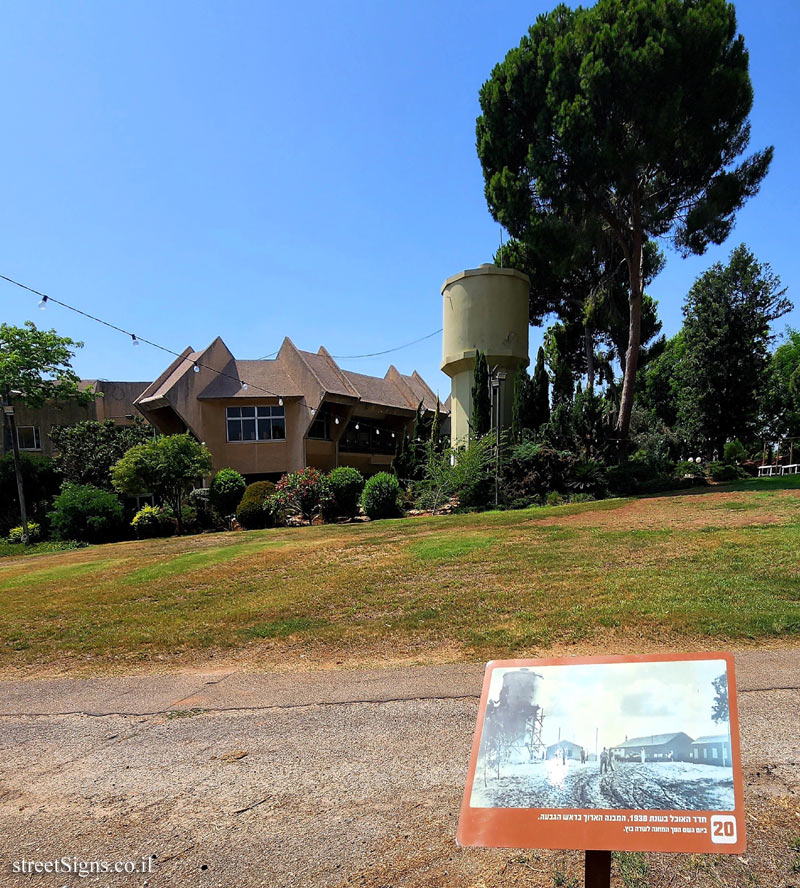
point(8, 414)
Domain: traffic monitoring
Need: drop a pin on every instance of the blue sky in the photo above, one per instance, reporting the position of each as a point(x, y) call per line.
point(255, 170)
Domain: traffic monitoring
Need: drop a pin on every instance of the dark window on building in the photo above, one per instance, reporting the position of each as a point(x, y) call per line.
point(256, 423)
point(321, 427)
point(28, 438)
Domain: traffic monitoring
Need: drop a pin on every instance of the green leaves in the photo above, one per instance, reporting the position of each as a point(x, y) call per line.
point(38, 364)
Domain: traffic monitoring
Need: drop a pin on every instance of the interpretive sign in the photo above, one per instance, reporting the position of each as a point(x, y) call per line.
point(612, 753)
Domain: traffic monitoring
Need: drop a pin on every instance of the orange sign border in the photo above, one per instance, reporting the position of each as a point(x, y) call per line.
point(521, 827)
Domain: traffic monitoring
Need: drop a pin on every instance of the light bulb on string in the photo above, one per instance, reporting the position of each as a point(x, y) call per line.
point(196, 369)
point(280, 402)
point(43, 303)
point(134, 340)
point(357, 426)
point(336, 420)
point(244, 386)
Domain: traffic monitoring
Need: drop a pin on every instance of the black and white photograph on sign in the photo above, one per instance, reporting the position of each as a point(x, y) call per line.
point(641, 736)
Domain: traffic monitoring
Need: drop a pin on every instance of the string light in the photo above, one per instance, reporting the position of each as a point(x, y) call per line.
point(196, 365)
point(357, 427)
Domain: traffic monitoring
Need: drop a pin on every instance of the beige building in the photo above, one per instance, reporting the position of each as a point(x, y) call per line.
point(113, 400)
point(264, 418)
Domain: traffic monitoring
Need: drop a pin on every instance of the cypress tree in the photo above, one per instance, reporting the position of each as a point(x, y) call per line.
point(522, 409)
point(540, 393)
point(481, 420)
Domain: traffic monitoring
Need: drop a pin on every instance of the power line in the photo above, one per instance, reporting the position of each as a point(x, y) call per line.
point(45, 299)
point(137, 339)
point(371, 354)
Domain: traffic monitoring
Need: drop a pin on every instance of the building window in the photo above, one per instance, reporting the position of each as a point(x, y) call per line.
point(705, 752)
point(321, 427)
point(713, 752)
point(28, 438)
point(256, 423)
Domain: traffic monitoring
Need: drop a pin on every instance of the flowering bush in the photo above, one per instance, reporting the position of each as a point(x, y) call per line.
point(304, 493)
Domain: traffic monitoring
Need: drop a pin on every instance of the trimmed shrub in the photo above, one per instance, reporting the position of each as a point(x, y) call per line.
point(153, 521)
point(251, 514)
point(346, 485)
point(305, 493)
point(34, 533)
point(381, 496)
point(226, 491)
point(84, 512)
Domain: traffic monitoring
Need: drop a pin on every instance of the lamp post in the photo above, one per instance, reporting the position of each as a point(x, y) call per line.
point(8, 415)
point(497, 381)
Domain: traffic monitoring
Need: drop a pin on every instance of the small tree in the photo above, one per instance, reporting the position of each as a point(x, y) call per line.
point(481, 414)
point(35, 367)
point(521, 409)
point(167, 467)
point(720, 711)
point(88, 450)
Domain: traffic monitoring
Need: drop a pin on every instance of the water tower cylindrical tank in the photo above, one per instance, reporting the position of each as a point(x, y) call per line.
point(484, 309)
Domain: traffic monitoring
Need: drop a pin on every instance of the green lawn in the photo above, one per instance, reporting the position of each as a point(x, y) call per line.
point(699, 569)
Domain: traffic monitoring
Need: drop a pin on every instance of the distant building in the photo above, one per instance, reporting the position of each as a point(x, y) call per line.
point(712, 750)
point(557, 750)
point(113, 400)
point(656, 748)
point(267, 417)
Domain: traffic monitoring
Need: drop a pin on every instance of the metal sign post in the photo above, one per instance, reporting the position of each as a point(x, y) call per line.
point(597, 872)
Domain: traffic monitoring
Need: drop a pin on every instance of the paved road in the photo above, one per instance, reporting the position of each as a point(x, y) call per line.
point(311, 779)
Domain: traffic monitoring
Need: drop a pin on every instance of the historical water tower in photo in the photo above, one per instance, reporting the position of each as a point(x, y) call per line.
point(484, 309)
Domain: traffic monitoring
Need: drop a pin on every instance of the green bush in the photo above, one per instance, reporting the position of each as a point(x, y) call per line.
point(34, 533)
point(84, 512)
point(205, 517)
point(251, 514)
point(304, 493)
point(226, 491)
point(587, 476)
point(346, 485)
point(581, 498)
point(381, 496)
point(722, 472)
point(275, 510)
point(633, 476)
point(553, 498)
point(533, 469)
point(691, 469)
point(153, 521)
